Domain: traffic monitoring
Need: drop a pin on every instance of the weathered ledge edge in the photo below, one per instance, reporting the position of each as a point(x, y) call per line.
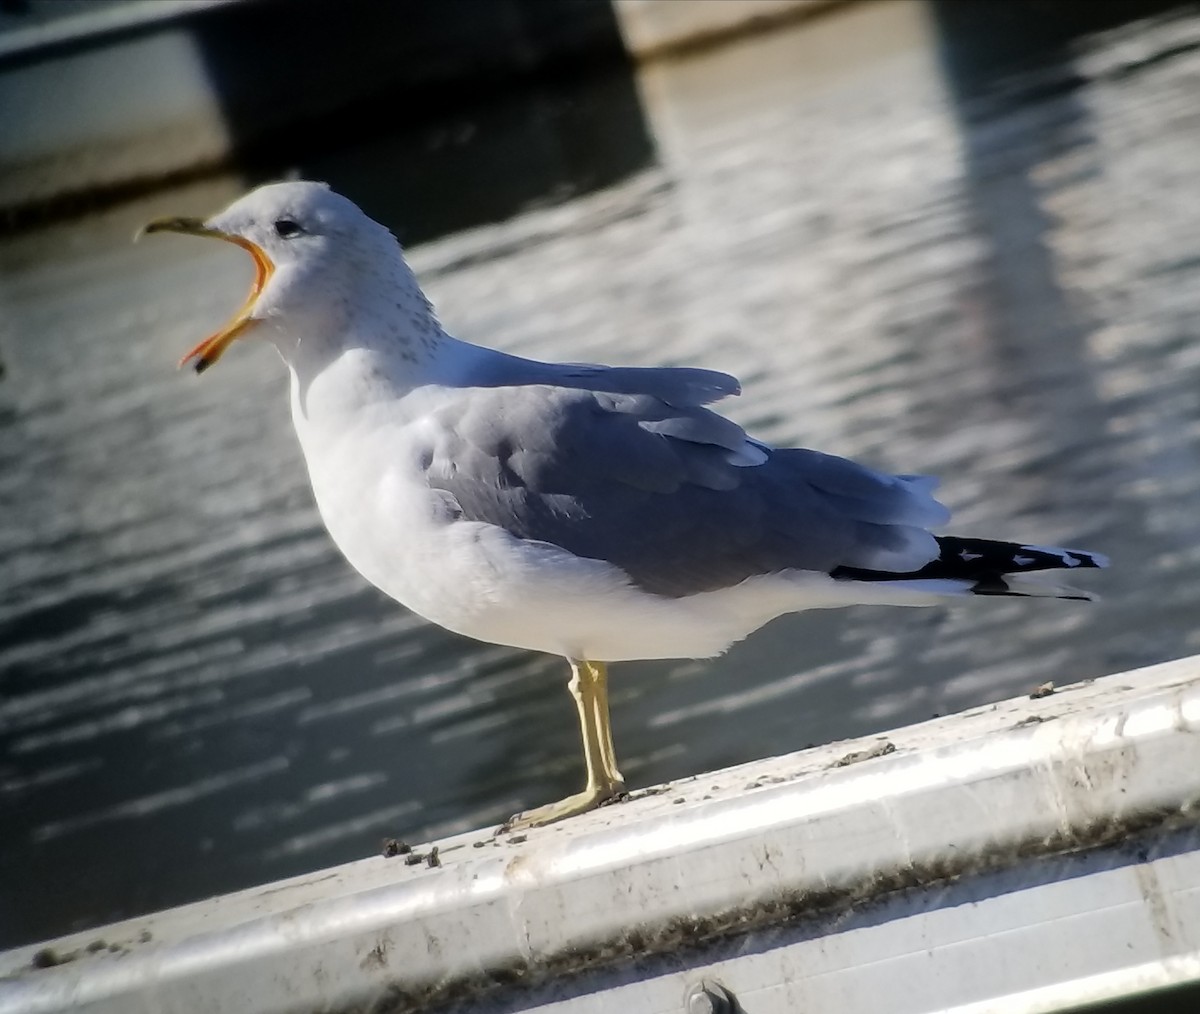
point(653, 29)
point(771, 842)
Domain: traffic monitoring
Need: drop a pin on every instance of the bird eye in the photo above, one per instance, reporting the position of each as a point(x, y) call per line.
point(285, 228)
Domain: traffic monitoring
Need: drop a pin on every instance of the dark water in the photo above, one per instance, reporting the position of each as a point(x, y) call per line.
point(995, 280)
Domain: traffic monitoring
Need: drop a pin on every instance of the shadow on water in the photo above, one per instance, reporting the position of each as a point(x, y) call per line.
point(1017, 75)
point(1008, 68)
point(987, 45)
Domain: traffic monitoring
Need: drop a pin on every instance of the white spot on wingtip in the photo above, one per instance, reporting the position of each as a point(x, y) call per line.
point(1065, 555)
point(1072, 557)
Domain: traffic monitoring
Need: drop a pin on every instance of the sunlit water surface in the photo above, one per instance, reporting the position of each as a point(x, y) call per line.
point(199, 694)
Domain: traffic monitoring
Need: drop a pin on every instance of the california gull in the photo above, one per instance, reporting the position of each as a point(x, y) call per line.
point(598, 513)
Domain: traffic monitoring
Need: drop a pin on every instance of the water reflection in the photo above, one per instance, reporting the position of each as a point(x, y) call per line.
point(994, 285)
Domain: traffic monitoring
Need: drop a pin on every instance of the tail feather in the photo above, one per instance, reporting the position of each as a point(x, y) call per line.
point(988, 567)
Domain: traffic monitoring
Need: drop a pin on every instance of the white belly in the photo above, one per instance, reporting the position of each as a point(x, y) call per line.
point(477, 580)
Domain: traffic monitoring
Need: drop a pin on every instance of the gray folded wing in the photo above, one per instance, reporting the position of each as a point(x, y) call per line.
point(675, 495)
point(679, 386)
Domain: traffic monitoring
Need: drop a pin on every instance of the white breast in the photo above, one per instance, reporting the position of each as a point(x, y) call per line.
point(478, 580)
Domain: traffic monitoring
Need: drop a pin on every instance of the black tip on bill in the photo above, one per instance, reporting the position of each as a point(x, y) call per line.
point(202, 364)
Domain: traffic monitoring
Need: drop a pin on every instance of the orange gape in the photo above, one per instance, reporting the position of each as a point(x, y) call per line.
point(209, 351)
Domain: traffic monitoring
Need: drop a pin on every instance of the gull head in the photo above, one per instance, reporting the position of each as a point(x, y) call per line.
point(315, 256)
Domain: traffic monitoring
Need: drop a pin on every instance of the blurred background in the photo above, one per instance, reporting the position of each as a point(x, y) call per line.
point(949, 236)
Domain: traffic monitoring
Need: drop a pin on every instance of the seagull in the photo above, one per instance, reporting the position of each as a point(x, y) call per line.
point(598, 513)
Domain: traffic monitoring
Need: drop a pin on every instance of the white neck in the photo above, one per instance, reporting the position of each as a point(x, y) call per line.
point(351, 331)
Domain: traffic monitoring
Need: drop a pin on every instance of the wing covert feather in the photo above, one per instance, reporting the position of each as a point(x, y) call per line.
point(665, 492)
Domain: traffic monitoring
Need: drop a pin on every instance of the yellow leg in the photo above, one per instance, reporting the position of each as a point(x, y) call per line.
point(608, 755)
point(589, 687)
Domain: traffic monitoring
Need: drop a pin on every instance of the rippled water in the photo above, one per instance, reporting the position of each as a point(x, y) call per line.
point(996, 282)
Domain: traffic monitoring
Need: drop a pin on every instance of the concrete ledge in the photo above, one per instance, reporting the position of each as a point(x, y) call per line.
point(88, 25)
point(794, 871)
point(654, 28)
point(108, 103)
point(119, 100)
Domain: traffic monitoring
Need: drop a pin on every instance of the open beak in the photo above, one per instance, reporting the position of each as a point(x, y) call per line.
point(212, 348)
